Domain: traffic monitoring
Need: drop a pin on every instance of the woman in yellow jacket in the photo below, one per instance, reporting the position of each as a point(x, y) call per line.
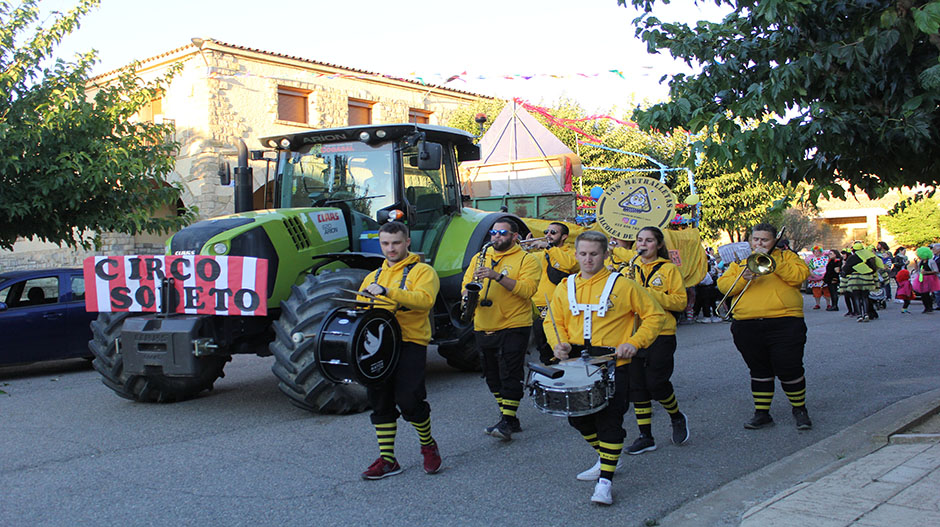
point(650, 374)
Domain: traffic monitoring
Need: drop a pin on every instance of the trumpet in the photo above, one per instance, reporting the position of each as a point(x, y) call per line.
point(532, 240)
point(759, 264)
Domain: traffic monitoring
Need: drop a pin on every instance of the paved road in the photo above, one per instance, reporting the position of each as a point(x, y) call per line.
point(74, 453)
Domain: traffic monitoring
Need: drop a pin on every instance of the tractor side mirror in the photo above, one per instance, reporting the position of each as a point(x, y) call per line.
point(225, 174)
point(429, 155)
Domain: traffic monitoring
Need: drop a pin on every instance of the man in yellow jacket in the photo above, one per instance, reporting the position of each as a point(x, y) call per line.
point(503, 319)
point(768, 327)
point(557, 261)
point(412, 286)
point(594, 311)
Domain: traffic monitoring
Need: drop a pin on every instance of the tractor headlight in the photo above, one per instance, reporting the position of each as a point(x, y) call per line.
point(364, 137)
point(285, 143)
point(219, 248)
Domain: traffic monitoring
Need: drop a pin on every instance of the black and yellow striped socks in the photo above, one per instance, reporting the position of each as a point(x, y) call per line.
point(763, 392)
point(610, 453)
point(644, 417)
point(796, 391)
point(592, 440)
point(671, 404)
point(508, 407)
point(385, 432)
point(424, 431)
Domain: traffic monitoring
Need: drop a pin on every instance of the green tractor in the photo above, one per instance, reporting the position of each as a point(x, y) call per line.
point(332, 190)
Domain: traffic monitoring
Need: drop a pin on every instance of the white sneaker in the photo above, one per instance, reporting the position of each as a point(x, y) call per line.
point(594, 472)
point(716, 319)
point(705, 320)
point(602, 493)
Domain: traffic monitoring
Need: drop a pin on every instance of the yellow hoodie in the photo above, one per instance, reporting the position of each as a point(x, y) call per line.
point(418, 296)
point(627, 300)
point(562, 259)
point(774, 295)
point(510, 309)
point(619, 258)
point(666, 287)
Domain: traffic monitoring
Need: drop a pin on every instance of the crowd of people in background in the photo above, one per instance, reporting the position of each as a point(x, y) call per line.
point(866, 279)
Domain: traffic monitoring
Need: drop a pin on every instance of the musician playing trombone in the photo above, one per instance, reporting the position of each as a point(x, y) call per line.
point(557, 261)
point(768, 327)
point(502, 320)
point(594, 311)
point(409, 288)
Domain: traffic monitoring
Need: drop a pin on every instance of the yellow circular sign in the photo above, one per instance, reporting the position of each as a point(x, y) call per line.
point(633, 203)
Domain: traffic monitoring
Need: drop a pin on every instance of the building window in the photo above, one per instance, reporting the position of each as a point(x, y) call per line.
point(419, 116)
point(360, 112)
point(149, 112)
point(292, 105)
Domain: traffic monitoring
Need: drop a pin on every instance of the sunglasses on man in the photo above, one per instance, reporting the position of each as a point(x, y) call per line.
point(501, 232)
point(550, 231)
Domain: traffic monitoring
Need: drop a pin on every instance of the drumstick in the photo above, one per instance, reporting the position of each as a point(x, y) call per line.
point(599, 359)
point(548, 304)
point(354, 301)
point(367, 294)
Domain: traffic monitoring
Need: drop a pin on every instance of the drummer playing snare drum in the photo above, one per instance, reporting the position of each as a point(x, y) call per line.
point(599, 317)
point(414, 286)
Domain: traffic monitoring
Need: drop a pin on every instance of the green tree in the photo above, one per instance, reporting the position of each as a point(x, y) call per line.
point(734, 201)
point(915, 225)
point(71, 165)
point(814, 91)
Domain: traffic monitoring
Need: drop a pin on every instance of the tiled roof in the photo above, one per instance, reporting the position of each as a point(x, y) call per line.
point(294, 57)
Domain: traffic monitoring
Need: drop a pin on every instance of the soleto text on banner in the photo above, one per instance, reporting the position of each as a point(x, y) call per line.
point(211, 285)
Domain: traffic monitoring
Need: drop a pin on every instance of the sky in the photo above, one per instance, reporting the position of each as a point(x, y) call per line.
point(579, 40)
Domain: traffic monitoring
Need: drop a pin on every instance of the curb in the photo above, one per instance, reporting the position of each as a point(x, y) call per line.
point(725, 505)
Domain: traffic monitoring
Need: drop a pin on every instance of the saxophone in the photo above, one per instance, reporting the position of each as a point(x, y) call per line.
point(468, 302)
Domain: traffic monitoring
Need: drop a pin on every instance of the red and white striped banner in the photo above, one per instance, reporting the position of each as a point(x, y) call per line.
point(213, 285)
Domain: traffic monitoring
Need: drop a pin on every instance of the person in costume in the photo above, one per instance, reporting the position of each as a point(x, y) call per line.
point(925, 281)
point(831, 278)
point(412, 286)
point(594, 311)
point(502, 321)
point(860, 279)
point(768, 328)
point(651, 370)
point(817, 272)
point(905, 291)
point(557, 261)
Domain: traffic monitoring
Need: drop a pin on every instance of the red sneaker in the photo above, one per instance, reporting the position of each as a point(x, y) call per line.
point(432, 458)
point(381, 469)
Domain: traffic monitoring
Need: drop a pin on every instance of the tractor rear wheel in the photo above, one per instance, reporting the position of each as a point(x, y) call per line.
point(295, 365)
point(109, 362)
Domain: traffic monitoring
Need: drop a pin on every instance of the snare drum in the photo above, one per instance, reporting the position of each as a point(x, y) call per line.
point(583, 389)
point(358, 346)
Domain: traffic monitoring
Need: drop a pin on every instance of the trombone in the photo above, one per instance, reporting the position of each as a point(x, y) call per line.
point(759, 264)
point(532, 240)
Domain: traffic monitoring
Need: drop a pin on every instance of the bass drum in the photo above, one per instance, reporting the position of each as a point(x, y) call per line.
point(359, 346)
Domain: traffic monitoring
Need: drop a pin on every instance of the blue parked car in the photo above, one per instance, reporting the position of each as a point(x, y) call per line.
point(42, 316)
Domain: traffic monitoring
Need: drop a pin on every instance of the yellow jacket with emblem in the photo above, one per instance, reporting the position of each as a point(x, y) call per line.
point(510, 309)
point(665, 286)
point(418, 295)
point(627, 300)
point(774, 295)
point(561, 258)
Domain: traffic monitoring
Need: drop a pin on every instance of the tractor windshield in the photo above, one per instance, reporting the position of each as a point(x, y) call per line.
point(325, 174)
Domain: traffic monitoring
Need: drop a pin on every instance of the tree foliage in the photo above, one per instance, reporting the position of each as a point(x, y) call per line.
point(808, 90)
point(917, 224)
point(71, 165)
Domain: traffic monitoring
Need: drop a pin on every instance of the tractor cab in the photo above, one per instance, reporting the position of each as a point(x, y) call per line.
point(376, 174)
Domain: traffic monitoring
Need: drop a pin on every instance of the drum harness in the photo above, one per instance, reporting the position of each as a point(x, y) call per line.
point(589, 309)
point(404, 276)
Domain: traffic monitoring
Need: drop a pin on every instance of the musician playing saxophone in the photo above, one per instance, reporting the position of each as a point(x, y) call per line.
point(595, 310)
point(768, 328)
point(412, 287)
point(503, 319)
point(557, 261)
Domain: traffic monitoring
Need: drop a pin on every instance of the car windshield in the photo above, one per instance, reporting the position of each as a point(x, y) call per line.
point(324, 174)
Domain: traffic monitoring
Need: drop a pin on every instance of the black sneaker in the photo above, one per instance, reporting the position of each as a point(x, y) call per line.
point(680, 429)
point(760, 420)
point(514, 425)
point(802, 418)
point(503, 431)
point(642, 444)
point(490, 429)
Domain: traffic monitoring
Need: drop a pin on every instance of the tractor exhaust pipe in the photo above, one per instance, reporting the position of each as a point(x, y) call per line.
point(243, 180)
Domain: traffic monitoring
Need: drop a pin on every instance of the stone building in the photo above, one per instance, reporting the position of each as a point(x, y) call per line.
point(227, 92)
